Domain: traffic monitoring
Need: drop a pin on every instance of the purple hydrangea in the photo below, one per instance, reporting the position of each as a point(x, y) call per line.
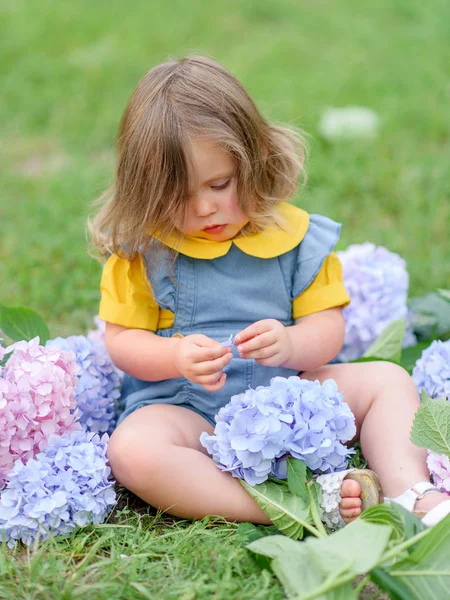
point(439, 467)
point(377, 282)
point(98, 383)
point(258, 429)
point(432, 371)
point(66, 486)
point(97, 335)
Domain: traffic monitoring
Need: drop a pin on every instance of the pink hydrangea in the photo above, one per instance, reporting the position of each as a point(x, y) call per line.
point(439, 467)
point(37, 400)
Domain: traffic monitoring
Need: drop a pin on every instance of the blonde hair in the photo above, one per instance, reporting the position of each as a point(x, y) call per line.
point(174, 103)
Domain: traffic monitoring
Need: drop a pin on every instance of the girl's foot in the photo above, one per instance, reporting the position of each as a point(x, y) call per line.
point(345, 494)
point(350, 506)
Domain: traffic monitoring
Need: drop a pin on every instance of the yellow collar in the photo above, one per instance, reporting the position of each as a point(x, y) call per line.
point(271, 242)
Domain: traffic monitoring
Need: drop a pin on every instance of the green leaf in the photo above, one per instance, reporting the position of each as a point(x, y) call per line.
point(436, 309)
point(325, 567)
point(444, 294)
point(21, 323)
point(295, 570)
point(388, 346)
point(431, 427)
point(426, 572)
point(404, 524)
point(287, 511)
point(297, 478)
point(276, 546)
point(358, 546)
point(412, 354)
point(385, 581)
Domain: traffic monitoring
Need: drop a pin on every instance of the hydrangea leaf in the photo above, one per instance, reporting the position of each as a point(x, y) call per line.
point(444, 294)
point(294, 568)
point(426, 571)
point(319, 567)
point(437, 311)
point(431, 427)
point(364, 545)
point(388, 346)
point(287, 511)
point(404, 524)
point(21, 323)
point(297, 478)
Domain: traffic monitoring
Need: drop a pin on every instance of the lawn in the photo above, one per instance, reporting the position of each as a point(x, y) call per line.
point(68, 69)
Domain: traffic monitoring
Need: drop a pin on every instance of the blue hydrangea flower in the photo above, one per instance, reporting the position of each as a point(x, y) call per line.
point(98, 383)
point(377, 282)
point(257, 429)
point(68, 485)
point(432, 371)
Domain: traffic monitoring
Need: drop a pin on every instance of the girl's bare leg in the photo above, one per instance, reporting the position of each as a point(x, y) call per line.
point(156, 453)
point(384, 400)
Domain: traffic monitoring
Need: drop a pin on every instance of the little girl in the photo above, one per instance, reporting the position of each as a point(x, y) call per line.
point(201, 245)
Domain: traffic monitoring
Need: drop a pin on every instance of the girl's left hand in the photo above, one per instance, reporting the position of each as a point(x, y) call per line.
point(266, 341)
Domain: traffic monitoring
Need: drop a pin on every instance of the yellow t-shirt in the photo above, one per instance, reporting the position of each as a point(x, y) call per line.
point(127, 298)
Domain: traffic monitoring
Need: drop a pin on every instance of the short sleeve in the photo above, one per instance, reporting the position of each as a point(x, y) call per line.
point(126, 295)
point(327, 290)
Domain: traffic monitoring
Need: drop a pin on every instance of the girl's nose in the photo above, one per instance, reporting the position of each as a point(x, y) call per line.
point(205, 205)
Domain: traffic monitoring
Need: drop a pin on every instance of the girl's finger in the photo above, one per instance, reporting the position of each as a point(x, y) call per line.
point(253, 330)
point(260, 341)
point(215, 387)
point(213, 366)
point(266, 352)
point(203, 354)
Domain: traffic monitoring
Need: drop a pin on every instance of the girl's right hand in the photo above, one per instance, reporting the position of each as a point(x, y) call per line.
point(201, 360)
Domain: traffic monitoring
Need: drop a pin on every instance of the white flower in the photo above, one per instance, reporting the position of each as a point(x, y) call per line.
point(349, 122)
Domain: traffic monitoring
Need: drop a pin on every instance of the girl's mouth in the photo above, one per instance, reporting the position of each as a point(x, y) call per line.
point(214, 229)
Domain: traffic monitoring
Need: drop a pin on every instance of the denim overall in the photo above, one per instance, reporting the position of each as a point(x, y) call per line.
point(220, 297)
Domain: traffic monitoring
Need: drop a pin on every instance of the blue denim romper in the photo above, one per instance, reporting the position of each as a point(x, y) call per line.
point(220, 297)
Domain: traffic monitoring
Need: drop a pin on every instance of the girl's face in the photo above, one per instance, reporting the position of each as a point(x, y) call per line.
point(212, 210)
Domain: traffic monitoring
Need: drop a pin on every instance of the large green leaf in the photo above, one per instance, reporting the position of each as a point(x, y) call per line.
point(301, 579)
point(363, 543)
point(286, 510)
point(425, 574)
point(21, 323)
point(296, 571)
point(388, 346)
point(431, 427)
point(437, 312)
point(325, 567)
point(297, 478)
point(404, 524)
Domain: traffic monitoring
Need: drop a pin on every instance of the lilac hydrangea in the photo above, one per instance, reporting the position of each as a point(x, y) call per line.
point(97, 335)
point(66, 486)
point(258, 429)
point(37, 399)
point(432, 371)
point(377, 282)
point(98, 383)
point(439, 467)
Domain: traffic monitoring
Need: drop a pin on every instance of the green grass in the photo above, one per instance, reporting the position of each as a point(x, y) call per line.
point(67, 70)
point(141, 556)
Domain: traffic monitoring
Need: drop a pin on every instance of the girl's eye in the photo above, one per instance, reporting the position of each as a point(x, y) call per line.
point(221, 186)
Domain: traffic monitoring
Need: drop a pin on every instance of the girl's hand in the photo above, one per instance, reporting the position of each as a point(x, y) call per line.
point(267, 341)
point(201, 360)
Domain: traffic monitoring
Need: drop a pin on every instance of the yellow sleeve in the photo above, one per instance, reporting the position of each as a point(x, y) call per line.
point(326, 291)
point(126, 295)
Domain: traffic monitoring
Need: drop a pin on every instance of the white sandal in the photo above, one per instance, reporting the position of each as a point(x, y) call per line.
point(409, 498)
point(371, 493)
